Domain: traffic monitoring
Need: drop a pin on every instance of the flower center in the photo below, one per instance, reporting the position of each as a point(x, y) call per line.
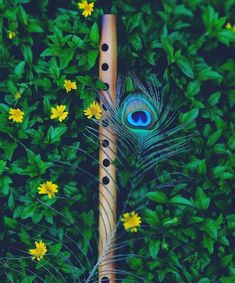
point(40, 251)
point(49, 189)
point(132, 222)
point(17, 114)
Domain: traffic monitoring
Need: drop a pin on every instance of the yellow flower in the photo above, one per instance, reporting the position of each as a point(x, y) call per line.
point(16, 115)
point(11, 34)
point(48, 188)
point(69, 85)
point(17, 95)
point(131, 221)
point(39, 251)
point(59, 112)
point(86, 7)
point(93, 110)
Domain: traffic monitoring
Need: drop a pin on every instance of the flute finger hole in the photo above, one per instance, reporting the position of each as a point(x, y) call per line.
point(106, 162)
point(104, 280)
point(105, 180)
point(104, 47)
point(107, 86)
point(104, 66)
point(105, 143)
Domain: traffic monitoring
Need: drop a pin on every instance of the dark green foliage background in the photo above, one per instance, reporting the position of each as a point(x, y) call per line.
point(186, 45)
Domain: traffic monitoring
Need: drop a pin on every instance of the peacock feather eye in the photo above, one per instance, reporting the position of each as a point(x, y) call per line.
point(138, 112)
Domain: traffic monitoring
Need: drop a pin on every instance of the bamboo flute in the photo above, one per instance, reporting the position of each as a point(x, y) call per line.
point(107, 176)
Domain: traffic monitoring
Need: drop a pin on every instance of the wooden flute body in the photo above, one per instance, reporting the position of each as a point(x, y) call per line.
point(107, 172)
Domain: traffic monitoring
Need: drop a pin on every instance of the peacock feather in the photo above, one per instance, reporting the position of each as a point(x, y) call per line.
point(144, 125)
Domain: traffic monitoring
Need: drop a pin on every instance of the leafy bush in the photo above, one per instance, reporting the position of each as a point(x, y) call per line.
point(189, 46)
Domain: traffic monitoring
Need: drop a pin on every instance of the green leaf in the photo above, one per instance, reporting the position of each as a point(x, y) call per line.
point(170, 221)
point(5, 182)
point(24, 237)
point(226, 36)
point(8, 148)
point(27, 53)
point(55, 249)
point(76, 42)
point(189, 116)
point(29, 279)
point(179, 200)
point(202, 202)
point(229, 279)
point(157, 197)
point(135, 262)
point(151, 57)
point(12, 87)
point(54, 69)
point(208, 243)
point(181, 10)
point(204, 280)
point(231, 221)
point(2, 166)
point(209, 17)
point(94, 33)
point(133, 22)
point(214, 98)
point(23, 15)
point(70, 188)
point(221, 172)
point(135, 41)
point(168, 47)
point(193, 89)
point(92, 56)
point(208, 74)
point(198, 165)
point(185, 66)
point(47, 52)
point(231, 141)
point(54, 134)
point(34, 26)
point(29, 211)
point(154, 247)
point(150, 216)
point(19, 69)
point(35, 166)
point(214, 137)
point(66, 56)
point(210, 227)
point(9, 222)
point(227, 261)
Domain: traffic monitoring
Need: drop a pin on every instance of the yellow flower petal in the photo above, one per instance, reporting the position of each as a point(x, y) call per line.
point(93, 110)
point(131, 221)
point(59, 112)
point(69, 85)
point(39, 251)
point(48, 188)
point(86, 7)
point(82, 5)
point(16, 115)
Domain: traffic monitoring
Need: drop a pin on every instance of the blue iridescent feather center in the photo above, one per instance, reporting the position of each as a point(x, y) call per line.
point(139, 118)
point(139, 113)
